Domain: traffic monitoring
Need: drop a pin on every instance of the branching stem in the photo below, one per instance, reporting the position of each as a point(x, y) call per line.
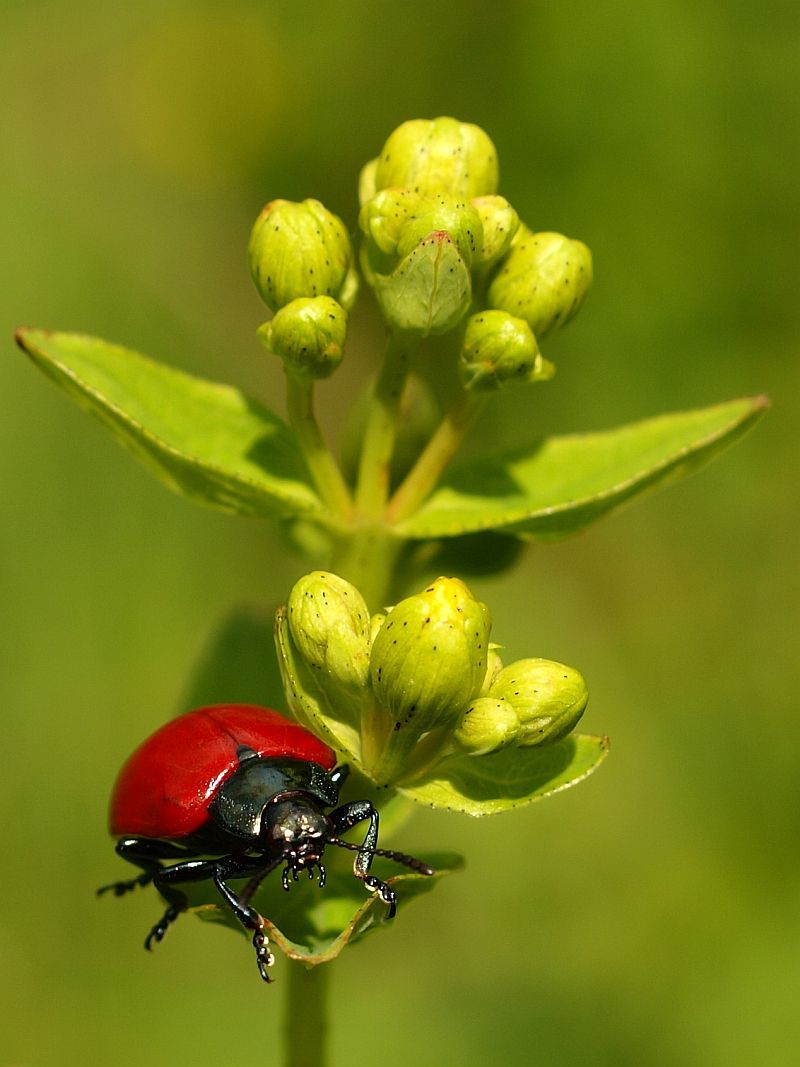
point(381, 429)
point(324, 469)
point(436, 455)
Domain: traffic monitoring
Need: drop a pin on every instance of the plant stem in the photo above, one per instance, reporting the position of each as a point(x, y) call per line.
point(305, 1022)
point(436, 455)
point(381, 429)
point(324, 469)
point(366, 555)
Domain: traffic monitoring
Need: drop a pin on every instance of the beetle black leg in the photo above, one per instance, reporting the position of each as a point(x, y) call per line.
point(163, 880)
point(342, 819)
point(167, 879)
point(146, 853)
point(247, 916)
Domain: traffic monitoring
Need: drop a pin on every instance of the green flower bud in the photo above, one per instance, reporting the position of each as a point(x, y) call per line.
point(543, 279)
point(438, 155)
point(429, 658)
point(301, 250)
point(375, 623)
point(308, 334)
point(384, 215)
point(457, 218)
point(499, 349)
point(493, 667)
point(488, 724)
point(366, 181)
point(329, 624)
point(548, 698)
point(499, 222)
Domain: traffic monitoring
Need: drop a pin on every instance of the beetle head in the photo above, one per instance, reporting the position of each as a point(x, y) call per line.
point(295, 829)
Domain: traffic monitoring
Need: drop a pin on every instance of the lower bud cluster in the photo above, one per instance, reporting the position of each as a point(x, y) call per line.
point(420, 682)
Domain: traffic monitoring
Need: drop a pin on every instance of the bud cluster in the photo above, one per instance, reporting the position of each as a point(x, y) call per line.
point(440, 246)
point(421, 681)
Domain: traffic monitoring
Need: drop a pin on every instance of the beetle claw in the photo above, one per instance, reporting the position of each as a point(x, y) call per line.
point(161, 927)
point(264, 957)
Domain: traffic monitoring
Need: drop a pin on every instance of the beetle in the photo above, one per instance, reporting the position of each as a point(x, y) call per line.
point(252, 790)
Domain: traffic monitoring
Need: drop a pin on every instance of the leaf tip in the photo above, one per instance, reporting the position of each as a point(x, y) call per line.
point(20, 336)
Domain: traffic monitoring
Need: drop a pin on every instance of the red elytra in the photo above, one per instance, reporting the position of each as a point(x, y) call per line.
point(164, 789)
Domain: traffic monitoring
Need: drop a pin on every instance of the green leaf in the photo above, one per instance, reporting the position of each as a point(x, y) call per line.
point(429, 290)
point(238, 664)
point(487, 785)
point(562, 484)
point(207, 441)
point(313, 925)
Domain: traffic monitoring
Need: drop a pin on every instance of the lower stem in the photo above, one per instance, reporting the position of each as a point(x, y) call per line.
point(367, 556)
point(305, 1025)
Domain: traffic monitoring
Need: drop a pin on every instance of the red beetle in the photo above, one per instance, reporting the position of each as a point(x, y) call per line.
point(244, 785)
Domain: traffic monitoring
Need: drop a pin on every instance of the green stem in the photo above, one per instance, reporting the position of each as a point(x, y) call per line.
point(305, 1023)
point(366, 555)
point(436, 455)
point(381, 429)
point(324, 469)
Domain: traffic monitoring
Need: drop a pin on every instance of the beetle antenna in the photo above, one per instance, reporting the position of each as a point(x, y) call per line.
point(398, 857)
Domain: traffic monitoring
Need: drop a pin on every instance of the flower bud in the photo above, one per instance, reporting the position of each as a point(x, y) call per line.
point(494, 665)
point(548, 698)
point(329, 624)
point(366, 181)
point(384, 215)
point(299, 250)
point(429, 657)
point(489, 723)
point(499, 222)
point(438, 155)
point(499, 349)
point(375, 623)
point(308, 334)
point(457, 218)
point(543, 279)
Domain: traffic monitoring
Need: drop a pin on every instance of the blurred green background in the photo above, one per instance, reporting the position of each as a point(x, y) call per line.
point(650, 916)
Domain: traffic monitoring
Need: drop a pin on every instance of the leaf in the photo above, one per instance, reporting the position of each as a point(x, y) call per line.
point(487, 785)
point(564, 483)
point(313, 925)
point(207, 441)
point(429, 291)
point(238, 665)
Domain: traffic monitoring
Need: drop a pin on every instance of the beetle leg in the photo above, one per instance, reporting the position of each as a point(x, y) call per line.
point(144, 852)
point(163, 880)
point(342, 819)
point(249, 918)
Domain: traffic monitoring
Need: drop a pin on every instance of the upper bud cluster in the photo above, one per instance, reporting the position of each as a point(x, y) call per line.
point(439, 242)
point(421, 680)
